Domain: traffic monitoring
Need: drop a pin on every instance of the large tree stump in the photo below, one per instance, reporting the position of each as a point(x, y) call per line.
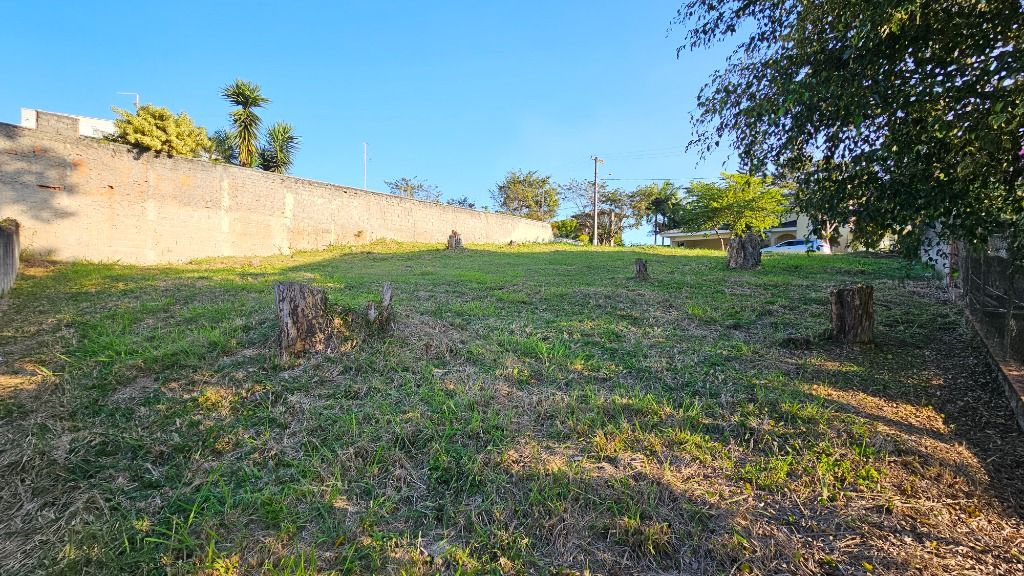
point(640, 270)
point(305, 325)
point(454, 240)
point(853, 314)
point(10, 249)
point(744, 252)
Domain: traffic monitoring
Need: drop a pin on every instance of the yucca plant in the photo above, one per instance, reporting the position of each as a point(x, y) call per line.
point(222, 147)
point(278, 151)
point(246, 122)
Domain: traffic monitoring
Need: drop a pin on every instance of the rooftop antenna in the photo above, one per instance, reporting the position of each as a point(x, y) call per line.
point(136, 94)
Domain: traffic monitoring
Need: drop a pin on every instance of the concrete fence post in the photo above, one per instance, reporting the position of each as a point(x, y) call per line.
point(9, 250)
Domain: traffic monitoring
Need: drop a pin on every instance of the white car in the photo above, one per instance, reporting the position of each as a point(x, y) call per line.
point(799, 247)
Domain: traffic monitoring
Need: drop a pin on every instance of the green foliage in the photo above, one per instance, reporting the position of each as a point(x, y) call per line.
point(618, 209)
point(278, 151)
point(566, 228)
point(527, 194)
point(463, 202)
point(414, 188)
point(891, 115)
point(739, 202)
point(246, 123)
point(159, 130)
point(656, 204)
point(222, 148)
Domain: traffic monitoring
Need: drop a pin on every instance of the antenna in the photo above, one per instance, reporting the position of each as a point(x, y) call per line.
point(136, 94)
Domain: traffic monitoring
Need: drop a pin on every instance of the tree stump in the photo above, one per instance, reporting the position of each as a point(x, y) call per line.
point(305, 325)
point(9, 253)
point(640, 270)
point(379, 314)
point(454, 240)
point(853, 314)
point(744, 252)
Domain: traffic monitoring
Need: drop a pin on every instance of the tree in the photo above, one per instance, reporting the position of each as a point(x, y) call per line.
point(892, 115)
point(580, 193)
point(739, 202)
point(159, 130)
point(652, 203)
point(463, 202)
point(414, 188)
point(221, 148)
point(566, 228)
point(617, 209)
point(527, 194)
point(246, 123)
point(278, 151)
point(664, 208)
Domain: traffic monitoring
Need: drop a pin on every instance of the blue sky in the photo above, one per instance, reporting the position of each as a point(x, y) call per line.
point(457, 93)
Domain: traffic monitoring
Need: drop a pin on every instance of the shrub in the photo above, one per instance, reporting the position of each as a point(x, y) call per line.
point(159, 130)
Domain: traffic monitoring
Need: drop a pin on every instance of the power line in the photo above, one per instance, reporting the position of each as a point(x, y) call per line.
point(637, 179)
point(650, 179)
point(648, 151)
point(673, 152)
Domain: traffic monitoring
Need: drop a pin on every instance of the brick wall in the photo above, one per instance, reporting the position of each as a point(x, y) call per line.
point(56, 123)
point(80, 198)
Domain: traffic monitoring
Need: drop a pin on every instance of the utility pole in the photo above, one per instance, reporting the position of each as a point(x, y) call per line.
point(364, 166)
point(596, 162)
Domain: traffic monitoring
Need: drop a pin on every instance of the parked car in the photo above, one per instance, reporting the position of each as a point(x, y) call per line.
point(799, 247)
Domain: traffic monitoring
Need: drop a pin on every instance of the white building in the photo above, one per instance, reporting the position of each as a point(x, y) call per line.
point(793, 227)
point(91, 127)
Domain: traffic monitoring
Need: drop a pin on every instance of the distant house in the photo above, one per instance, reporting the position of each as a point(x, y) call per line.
point(793, 226)
point(57, 122)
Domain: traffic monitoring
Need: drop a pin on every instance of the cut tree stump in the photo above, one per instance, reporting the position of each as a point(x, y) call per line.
point(9, 253)
point(853, 314)
point(744, 252)
point(305, 325)
point(640, 270)
point(454, 240)
point(379, 315)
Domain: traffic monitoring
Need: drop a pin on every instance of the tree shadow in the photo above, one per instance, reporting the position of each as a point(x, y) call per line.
point(35, 176)
point(950, 378)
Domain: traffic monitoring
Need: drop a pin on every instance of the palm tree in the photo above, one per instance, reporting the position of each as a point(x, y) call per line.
point(246, 132)
point(222, 147)
point(277, 154)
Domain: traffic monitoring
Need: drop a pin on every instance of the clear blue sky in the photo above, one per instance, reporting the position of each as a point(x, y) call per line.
point(457, 93)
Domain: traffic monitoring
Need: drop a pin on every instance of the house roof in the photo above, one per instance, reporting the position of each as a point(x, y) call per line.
point(785, 226)
point(700, 234)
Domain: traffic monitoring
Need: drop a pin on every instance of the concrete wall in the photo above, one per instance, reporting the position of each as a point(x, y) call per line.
point(80, 198)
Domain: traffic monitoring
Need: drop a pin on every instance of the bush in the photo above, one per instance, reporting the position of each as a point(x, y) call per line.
point(566, 228)
point(159, 130)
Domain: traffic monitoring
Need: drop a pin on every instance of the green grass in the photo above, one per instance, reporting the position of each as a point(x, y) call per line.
point(537, 411)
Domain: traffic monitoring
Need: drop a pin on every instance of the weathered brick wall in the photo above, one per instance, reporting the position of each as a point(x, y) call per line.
point(79, 198)
point(56, 123)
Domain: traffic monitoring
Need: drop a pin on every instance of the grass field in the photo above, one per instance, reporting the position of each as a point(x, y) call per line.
point(536, 411)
